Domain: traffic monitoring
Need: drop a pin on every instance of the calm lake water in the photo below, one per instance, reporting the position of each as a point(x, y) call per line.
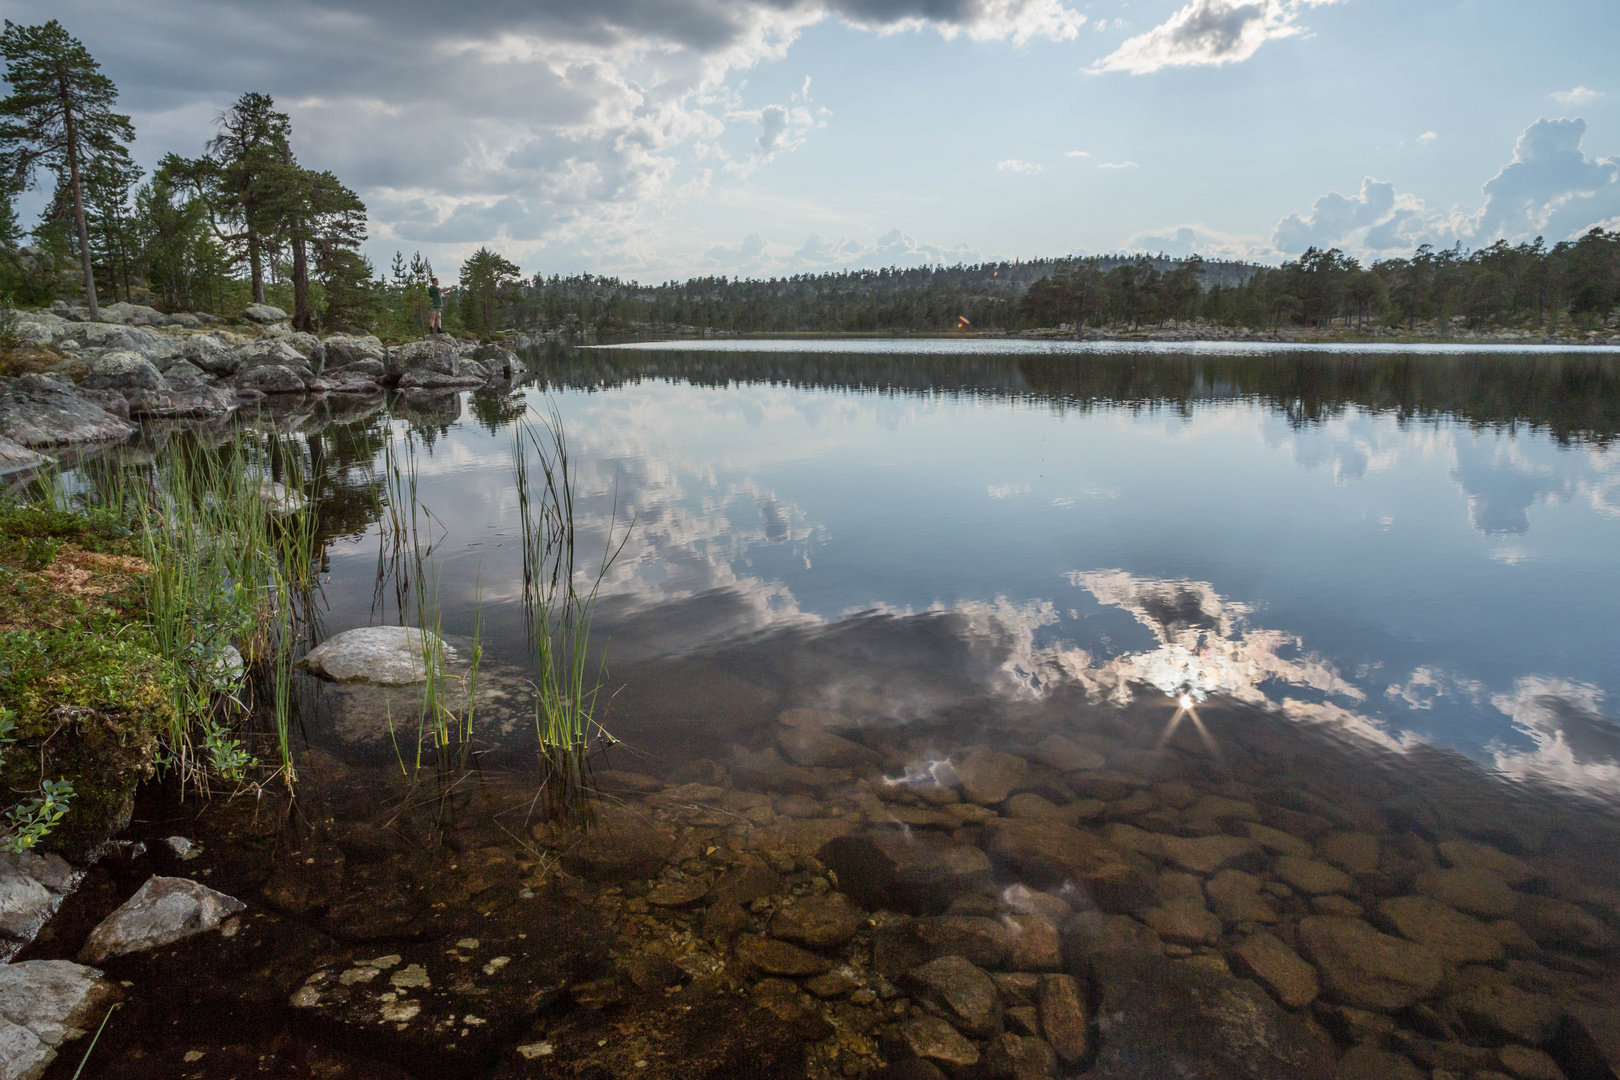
point(1247, 712)
point(1409, 550)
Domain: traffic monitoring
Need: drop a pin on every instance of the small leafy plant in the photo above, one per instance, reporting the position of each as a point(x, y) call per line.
point(30, 822)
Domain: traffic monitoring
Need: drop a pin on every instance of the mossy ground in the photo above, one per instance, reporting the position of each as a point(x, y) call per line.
point(78, 666)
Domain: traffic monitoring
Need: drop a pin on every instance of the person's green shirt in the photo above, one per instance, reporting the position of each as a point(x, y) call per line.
point(434, 295)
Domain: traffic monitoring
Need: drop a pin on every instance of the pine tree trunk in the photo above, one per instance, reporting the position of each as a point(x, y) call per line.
point(256, 263)
point(300, 274)
point(77, 184)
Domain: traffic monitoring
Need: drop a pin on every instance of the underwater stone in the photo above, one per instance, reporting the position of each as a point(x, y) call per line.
point(163, 911)
point(1365, 969)
point(374, 655)
point(1278, 968)
point(1458, 938)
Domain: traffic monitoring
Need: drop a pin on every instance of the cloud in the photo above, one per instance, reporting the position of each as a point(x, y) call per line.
point(1181, 241)
point(1207, 32)
point(1551, 187)
point(1428, 137)
point(1076, 153)
point(550, 125)
point(1376, 218)
point(1579, 95)
point(1117, 165)
point(1014, 165)
point(1575, 745)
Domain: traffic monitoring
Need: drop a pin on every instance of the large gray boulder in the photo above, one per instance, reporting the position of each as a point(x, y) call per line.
point(189, 394)
point(43, 1004)
point(183, 319)
point(343, 351)
point(38, 327)
point(501, 363)
point(211, 355)
point(31, 888)
point(436, 356)
point(275, 379)
point(133, 315)
point(39, 411)
point(309, 347)
point(263, 314)
point(124, 371)
point(163, 911)
point(112, 336)
point(374, 655)
point(269, 351)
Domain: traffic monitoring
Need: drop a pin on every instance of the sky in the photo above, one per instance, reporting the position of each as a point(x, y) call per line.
point(657, 139)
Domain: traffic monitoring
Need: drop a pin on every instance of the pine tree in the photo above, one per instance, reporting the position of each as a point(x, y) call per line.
point(250, 157)
point(59, 115)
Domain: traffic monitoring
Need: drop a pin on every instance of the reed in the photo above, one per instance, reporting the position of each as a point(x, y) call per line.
point(559, 613)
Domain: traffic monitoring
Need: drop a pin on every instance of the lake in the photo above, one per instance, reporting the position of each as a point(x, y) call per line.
point(1207, 697)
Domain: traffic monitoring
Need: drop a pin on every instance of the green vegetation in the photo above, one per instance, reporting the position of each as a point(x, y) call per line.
point(566, 689)
point(125, 595)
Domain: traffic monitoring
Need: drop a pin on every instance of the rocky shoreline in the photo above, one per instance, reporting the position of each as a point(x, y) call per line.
point(100, 379)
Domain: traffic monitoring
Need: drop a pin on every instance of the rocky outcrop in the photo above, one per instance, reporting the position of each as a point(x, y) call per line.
point(15, 458)
point(182, 391)
point(32, 886)
point(423, 360)
point(162, 911)
point(36, 411)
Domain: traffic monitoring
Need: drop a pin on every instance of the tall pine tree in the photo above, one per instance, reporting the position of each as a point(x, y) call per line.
point(59, 116)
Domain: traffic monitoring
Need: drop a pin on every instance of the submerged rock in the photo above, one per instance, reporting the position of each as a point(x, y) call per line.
point(374, 655)
point(1158, 1018)
point(1453, 936)
point(963, 993)
point(43, 1004)
point(163, 911)
point(1365, 969)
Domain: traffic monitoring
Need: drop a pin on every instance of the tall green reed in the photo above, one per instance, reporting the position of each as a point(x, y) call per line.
point(568, 728)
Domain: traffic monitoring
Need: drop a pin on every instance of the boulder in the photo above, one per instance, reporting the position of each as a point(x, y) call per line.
point(38, 327)
point(1236, 897)
point(263, 314)
point(1062, 1006)
point(343, 351)
point(931, 1039)
point(308, 346)
point(374, 655)
point(183, 319)
point(961, 992)
point(1466, 853)
point(210, 354)
point(502, 363)
point(778, 957)
point(621, 845)
point(1184, 920)
point(1051, 853)
point(125, 372)
point(1502, 1010)
point(916, 873)
point(433, 380)
point(424, 358)
point(1066, 755)
point(1478, 892)
point(162, 911)
point(1159, 1018)
point(15, 458)
point(133, 315)
point(1448, 933)
point(1362, 968)
point(812, 747)
point(1278, 968)
point(269, 352)
point(989, 776)
point(818, 922)
point(39, 411)
point(1311, 877)
point(43, 1004)
point(1020, 1057)
point(1208, 854)
point(274, 379)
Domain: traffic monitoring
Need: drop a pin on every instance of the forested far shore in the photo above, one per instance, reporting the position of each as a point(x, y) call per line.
point(244, 222)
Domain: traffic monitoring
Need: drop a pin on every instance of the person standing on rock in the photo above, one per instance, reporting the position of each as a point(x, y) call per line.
point(436, 298)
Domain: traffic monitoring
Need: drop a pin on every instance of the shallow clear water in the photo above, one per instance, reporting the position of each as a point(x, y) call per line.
point(1411, 550)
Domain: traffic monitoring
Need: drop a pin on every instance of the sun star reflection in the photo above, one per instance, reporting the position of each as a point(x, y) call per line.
point(1185, 708)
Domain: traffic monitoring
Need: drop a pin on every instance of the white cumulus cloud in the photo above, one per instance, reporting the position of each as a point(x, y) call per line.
point(1428, 137)
point(1014, 165)
point(1207, 32)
